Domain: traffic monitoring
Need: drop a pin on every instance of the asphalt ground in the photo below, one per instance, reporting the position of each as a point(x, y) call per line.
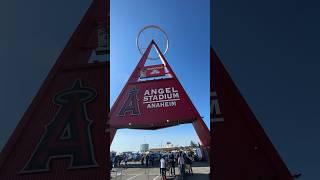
point(135, 171)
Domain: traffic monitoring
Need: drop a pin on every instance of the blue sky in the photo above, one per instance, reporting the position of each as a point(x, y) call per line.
point(188, 27)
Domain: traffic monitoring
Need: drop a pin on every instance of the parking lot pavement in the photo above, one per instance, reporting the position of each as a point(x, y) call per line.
point(136, 171)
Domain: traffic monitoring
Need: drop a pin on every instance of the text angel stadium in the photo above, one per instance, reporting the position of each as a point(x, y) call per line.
point(162, 97)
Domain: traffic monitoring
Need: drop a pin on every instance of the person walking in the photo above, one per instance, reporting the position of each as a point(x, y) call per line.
point(181, 164)
point(120, 158)
point(147, 160)
point(142, 159)
point(163, 168)
point(173, 164)
point(115, 161)
point(189, 164)
point(151, 160)
point(125, 160)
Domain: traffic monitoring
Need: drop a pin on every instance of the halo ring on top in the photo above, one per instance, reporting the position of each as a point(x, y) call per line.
point(141, 50)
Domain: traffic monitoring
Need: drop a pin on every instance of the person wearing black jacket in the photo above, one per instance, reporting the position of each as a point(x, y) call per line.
point(147, 160)
point(189, 164)
point(173, 164)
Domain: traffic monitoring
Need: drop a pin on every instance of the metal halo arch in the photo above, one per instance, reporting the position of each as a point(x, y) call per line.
point(154, 27)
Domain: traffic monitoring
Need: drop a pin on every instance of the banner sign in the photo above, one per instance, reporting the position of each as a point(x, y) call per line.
point(152, 71)
point(144, 101)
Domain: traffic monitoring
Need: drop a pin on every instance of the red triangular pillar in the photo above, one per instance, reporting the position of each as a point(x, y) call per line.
point(241, 149)
point(140, 104)
point(62, 133)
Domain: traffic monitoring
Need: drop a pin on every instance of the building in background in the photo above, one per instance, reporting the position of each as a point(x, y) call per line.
point(144, 147)
point(168, 145)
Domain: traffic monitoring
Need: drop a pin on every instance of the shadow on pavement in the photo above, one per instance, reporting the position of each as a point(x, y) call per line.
point(195, 176)
point(200, 164)
point(136, 166)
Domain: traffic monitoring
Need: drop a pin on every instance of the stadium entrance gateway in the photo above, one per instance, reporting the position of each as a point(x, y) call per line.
point(153, 98)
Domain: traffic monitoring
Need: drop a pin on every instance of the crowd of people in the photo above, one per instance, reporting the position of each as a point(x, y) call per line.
point(148, 159)
point(167, 162)
point(182, 160)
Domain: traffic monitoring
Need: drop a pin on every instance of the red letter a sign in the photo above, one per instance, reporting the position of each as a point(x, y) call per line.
point(151, 101)
point(62, 134)
point(241, 149)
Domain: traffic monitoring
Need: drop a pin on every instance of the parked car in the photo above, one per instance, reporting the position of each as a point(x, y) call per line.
point(136, 157)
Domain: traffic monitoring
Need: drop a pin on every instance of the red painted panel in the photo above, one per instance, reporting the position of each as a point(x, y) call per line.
point(240, 147)
point(17, 159)
point(62, 134)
